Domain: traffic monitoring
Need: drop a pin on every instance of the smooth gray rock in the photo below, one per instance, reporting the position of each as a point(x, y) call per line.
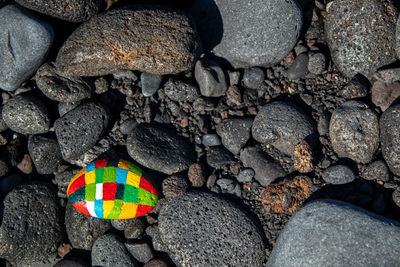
point(79, 130)
point(299, 68)
point(266, 170)
point(45, 153)
point(202, 229)
point(211, 140)
point(338, 174)
point(253, 78)
point(334, 233)
point(390, 139)
point(211, 78)
point(316, 62)
point(354, 131)
point(245, 175)
point(283, 125)
point(24, 42)
point(150, 83)
point(26, 114)
point(181, 91)
point(235, 133)
point(141, 251)
point(109, 251)
point(248, 34)
point(355, 45)
point(31, 228)
point(159, 149)
point(83, 230)
point(73, 10)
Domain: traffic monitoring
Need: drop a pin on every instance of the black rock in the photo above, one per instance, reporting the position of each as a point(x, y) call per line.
point(218, 157)
point(376, 170)
point(80, 129)
point(266, 170)
point(45, 153)
point(150, 83)
point(338, 234)
point(299, 68)
point(235, 133)
point(64, 108)
point(355, 45)
point(253, 78)
point(31, 228)
point(203, 229)
point(135, 230)
point(3, 125)
point(178, 90)
point(357, 87)
point(354, 131)
point(83, 230)
point(59, 88)
point(390, 139)
point(211, 78)
point(73, 10)
point(26, 114)
point(109, 250)
point(70, 263)
point(339, 174)
point(159, 149)
point(174, 186)
point(283, 125)
point(8, 182)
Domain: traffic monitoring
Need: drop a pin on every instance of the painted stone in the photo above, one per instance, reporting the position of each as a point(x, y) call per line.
point(112, 189)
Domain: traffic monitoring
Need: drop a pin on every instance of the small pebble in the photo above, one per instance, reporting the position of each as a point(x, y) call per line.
point(299, 68)
point(339, 174)
point(316, 62)
point(211, 140)
point(141, 251)
point(150, 83)
point(211, 78)
point(196, 175)
point(174, 186)
point(253, 78)
point(246, 175)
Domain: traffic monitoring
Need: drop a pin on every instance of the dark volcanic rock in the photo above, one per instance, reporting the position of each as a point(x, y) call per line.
point(26, 114)
point(83, 230)
point(338, 234)
point(80, 129)
point(59, 88)
point(251, 34)
point(218, 157)
point(178, 90)
point(360, 35)
point(31, 228)
point(376, 170)
point(152, 40)
point(354, 131)
point(266, 170)
point(24, 42)
point(203, 229)
point(109, 250)
point(72, 10)
point(45, 153)
point(299, 68)
point(159, 149)
point(235, 133)
point(253, 78)
point(283, 125)
point(390, 139)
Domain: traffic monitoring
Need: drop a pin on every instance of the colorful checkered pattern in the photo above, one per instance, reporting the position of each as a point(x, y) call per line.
point(110, 189)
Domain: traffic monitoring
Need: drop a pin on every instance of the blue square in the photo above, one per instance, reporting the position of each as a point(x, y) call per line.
point(98, 208)
point(90, 167)
point(121, 176)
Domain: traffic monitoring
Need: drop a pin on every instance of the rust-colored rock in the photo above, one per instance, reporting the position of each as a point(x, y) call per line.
point(302, 157)
point(384, 94)
point(287, 195)
point(152, 40)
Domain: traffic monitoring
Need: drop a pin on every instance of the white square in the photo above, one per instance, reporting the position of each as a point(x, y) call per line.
point(90, 208)
point(99, 191)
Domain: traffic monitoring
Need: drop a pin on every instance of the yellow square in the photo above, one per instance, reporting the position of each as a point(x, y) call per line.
point(123, 164)
point(108, 205)
point(90, 177)
point(128, 211)
point(133, 179)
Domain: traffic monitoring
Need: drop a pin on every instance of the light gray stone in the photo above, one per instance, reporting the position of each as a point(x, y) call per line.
point(334, 233)
point(339, 174)
point(211, 78)
point(150, 83)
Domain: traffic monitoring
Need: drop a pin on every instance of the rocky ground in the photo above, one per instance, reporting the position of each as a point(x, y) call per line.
point(257, 121)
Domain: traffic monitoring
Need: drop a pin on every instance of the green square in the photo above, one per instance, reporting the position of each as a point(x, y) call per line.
point(135, 169)
point(90, 192)
point(115, 212)
point(99, 175)
point(131, 194)
point(146, 198)
point(110, 175)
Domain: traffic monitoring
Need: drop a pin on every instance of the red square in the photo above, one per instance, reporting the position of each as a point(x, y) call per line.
point(81, 206)
point(100, 163)
point(146, 185)
point(109, 191)
point(78, 183)
point(143, 210)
